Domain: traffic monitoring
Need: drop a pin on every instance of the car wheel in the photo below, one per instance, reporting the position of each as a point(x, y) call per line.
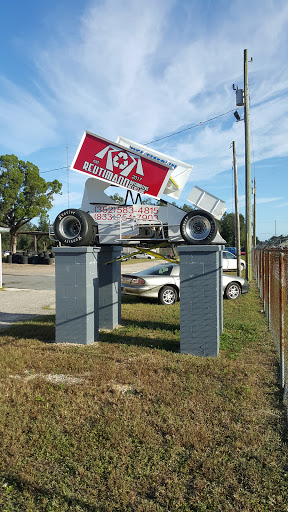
point(242, 266)
point(232, 291)
point(168, 295)
point(198, 227)
point(74, 228)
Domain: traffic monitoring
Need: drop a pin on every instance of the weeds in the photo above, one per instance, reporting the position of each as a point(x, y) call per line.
point(142, 427)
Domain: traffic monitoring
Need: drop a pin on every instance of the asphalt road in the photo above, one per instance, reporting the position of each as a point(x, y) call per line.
point(31, 282)
point(42, 277)
point(29, 290)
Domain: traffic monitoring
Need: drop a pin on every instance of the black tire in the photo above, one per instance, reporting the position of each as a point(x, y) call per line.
point(168, 295)
point(74, 228)
point(233, 291)
point(198, 228)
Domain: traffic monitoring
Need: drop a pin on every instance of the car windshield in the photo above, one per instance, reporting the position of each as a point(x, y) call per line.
point(160, 270)
point(229, 256)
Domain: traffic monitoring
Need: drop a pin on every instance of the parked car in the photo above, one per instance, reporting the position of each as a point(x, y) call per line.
point(144, 255)
point(162, 282)
point(232, 249)
point(230, 261)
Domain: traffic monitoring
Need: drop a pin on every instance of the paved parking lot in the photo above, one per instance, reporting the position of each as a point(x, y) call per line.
point(29, 290)
point(25, 292)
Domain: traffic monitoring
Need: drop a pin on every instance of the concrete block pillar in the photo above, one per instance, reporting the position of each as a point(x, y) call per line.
point(201, 304)
point(76, 284)
point(109, 287)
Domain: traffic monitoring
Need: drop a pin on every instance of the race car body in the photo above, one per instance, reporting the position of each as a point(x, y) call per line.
point(100, 221)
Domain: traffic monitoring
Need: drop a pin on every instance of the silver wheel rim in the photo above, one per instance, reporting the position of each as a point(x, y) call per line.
point(233, 291)
point(70, 227)
point(169, 297)
point(198, 227)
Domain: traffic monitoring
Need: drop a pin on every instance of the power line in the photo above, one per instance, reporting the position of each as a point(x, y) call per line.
point(190, 127)
point(166, 136)
point(51, 170)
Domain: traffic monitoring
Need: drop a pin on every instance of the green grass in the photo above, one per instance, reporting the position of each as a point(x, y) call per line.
point(142, 427)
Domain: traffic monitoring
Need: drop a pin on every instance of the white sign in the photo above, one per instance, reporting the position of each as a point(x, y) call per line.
point(181, 170)
point(137, 212)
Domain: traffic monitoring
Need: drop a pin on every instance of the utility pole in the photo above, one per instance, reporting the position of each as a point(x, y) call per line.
point(254, 215)
point(247, 170)
point(237, 220)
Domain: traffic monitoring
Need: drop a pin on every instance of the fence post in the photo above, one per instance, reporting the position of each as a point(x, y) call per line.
point(281, 300)
point(264, 281)
point(268, 290)
point(255, 265)
point(262, 273)
point(258, 269)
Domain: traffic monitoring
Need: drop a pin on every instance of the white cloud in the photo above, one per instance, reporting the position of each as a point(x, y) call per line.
point(117, 78)
point(143, 73)
point(263, 200)
point(26, 125)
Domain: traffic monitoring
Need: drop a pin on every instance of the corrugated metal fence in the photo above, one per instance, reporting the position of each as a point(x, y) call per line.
point(271, 273)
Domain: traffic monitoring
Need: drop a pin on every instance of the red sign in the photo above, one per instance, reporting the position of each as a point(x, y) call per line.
point(110, 162)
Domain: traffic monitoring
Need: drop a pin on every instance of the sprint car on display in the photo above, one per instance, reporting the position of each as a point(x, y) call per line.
point(142, 172)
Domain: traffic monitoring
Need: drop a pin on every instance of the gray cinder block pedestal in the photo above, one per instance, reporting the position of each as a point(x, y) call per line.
point(76, 283)
point(201, 304)
point(109, 287)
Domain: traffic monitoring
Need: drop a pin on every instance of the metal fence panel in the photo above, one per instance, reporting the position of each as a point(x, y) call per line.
point(271, 274)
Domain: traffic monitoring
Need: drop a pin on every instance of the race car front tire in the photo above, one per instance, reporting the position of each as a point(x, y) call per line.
point(74, 228)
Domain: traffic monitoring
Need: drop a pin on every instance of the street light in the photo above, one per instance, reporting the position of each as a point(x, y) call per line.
point(237, 116)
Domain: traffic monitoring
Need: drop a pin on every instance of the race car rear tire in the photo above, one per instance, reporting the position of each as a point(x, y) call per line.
point(74, 228)
point(198, 228)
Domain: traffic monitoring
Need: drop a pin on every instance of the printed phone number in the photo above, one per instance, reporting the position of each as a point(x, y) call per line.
point(107, 213)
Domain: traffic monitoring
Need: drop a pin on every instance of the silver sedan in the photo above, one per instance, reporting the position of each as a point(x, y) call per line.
point(162, 282)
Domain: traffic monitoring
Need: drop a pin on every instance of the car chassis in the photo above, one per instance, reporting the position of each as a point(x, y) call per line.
point(100, 221)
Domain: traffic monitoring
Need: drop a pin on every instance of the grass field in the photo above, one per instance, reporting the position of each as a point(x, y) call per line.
point(129, 424)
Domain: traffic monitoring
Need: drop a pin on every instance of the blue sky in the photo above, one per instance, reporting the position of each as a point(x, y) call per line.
point(145, 70)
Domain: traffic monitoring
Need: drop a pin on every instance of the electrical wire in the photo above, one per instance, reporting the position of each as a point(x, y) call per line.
point(51, 170)
point(166, 136)
point(190, 127)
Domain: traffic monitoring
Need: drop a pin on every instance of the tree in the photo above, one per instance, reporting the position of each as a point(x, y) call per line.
point(227, 229)
point(25, 242)
point(187, 208)
point(43, 225)
point(23, 194)
point(117, 198)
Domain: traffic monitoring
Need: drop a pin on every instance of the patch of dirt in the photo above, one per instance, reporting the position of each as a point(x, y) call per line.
point(53, 378)
point(121, 389)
